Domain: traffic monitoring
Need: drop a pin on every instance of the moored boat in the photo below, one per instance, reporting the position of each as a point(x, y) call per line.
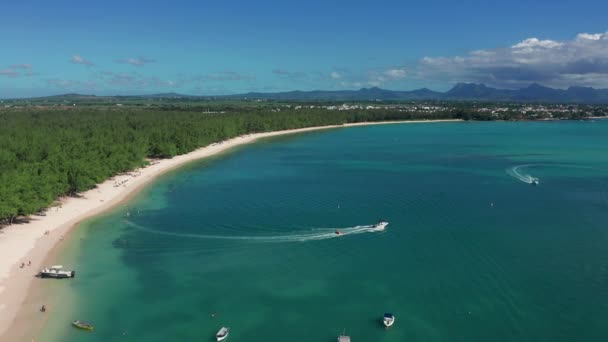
point(83, 325)
point(222, 334)
point(57, 272)
point(343, 337)
point(388, 320)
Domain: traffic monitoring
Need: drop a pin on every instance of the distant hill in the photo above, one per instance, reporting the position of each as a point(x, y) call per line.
point(460, 92)
point(363, 94)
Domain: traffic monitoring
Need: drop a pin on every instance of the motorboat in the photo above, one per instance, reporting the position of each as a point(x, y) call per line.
point(222, 334)
point(83, 325)
point(380, 226)
point(343, 337)
point(388, 319)
point(57, 272)
point(338, 232)
point(535, 181)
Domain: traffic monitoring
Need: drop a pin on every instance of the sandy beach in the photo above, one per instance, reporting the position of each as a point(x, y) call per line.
point(26, 246)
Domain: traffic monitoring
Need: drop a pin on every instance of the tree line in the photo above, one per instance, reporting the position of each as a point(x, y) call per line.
point(49, 153)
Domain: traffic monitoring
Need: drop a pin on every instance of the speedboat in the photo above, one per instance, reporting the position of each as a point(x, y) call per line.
point(380, 226)
point(388, 320)
point(222, 334)
point(57, 272)
point(533, 180)
point(83, 325)
point(338, 232)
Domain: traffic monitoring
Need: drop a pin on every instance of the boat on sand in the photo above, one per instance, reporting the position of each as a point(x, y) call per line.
point(56, 272)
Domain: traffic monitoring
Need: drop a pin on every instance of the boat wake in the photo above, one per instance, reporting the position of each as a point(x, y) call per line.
point(518, 173)
point(312, 235)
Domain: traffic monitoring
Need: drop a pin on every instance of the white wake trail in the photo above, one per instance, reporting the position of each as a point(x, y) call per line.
point(314, 234)
point(518, 173)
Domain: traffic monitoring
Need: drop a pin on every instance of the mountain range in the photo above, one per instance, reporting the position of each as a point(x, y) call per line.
point(460, 92)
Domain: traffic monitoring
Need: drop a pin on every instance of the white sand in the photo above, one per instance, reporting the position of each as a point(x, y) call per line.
point(21, 243)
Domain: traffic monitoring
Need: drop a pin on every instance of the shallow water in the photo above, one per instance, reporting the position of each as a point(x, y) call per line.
point(247, 240)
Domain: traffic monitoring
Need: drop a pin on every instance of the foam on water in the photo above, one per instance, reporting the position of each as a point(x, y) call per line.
point(312, 235)
point(518, 173)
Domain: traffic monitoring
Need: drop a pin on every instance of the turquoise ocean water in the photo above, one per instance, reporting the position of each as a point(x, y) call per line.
point(247, 239)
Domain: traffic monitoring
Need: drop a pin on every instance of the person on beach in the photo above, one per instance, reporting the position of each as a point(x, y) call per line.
point(43, 308)
point(29, 263)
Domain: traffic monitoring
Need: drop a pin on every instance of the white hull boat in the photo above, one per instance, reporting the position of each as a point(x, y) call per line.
point(56, 272)
point(388, 320)
point(343, 337)
point(380, 226)
point(222, 334)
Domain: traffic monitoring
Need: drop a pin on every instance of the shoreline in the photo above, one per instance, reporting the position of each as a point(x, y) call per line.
point(39, 238)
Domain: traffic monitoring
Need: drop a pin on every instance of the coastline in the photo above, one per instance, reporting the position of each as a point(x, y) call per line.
point(39, 238)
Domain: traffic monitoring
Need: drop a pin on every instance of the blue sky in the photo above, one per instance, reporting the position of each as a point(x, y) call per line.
point(222, 47)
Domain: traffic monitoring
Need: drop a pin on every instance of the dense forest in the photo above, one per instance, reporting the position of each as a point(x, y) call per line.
point(46, 153)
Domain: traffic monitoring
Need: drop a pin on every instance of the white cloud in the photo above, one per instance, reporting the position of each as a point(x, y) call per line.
point(378, 78)
point(77, 59)
point(135, 80)
point(71, 84)
point(395, 74)
point(9, 73)
point(137, 61)
point(294, 76)
point(582, 61)
point(595, 36)
point(16, 70)
point(21, 66)
point(535, 42)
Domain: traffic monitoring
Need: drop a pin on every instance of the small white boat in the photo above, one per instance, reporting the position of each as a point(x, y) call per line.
point(535, 181)
point(380, 226)
point(343, 337)
point(57, 272)
point(222, 334)
point(388, 320)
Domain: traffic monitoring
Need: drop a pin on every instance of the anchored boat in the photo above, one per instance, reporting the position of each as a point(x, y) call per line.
point(83, 325)
point(222, 334)
point(388, 320)
point(57, 272)
point(343, 338)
